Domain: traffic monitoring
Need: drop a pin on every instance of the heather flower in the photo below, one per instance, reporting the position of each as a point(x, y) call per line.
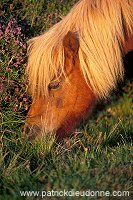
point(14, 108)
point(13, 53)
point(16, 99)
point(24, 99)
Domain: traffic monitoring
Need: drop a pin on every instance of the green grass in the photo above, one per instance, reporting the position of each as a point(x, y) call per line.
point(98, 157)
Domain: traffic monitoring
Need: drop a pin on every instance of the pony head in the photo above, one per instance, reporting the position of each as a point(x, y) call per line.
point(66, 102)
point(76, 62)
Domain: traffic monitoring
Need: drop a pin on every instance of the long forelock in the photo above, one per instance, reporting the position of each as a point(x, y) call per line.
point(101, 33)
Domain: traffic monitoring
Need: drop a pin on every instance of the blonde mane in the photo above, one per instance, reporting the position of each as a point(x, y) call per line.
point(100, 26)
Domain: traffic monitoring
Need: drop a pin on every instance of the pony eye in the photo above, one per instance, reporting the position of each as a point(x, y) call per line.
point(54, 85)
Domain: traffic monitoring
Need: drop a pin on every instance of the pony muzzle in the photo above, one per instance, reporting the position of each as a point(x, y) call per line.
point(34, 131)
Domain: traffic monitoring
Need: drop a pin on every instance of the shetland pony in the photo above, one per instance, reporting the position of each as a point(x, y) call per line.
point(77, 62)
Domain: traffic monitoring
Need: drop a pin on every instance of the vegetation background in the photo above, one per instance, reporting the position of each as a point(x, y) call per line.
point(97, 157)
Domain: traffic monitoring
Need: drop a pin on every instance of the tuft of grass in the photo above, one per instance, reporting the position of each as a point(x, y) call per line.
point(42, 145)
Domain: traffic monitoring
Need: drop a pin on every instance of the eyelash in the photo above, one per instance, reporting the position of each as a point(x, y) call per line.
point(54, 85)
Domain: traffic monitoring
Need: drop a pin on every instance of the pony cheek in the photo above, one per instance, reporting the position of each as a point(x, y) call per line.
point(74, 115)
point(73, 118)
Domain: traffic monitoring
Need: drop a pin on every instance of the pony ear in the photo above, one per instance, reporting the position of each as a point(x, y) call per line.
point(70, 44)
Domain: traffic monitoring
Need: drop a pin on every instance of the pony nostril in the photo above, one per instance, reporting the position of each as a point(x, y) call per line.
point(26, 130)
point(31, 131)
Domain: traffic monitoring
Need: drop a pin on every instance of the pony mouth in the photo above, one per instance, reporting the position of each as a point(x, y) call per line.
point(33, 132)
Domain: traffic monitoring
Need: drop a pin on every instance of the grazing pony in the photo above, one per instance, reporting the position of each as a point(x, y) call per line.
point(77, 62)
